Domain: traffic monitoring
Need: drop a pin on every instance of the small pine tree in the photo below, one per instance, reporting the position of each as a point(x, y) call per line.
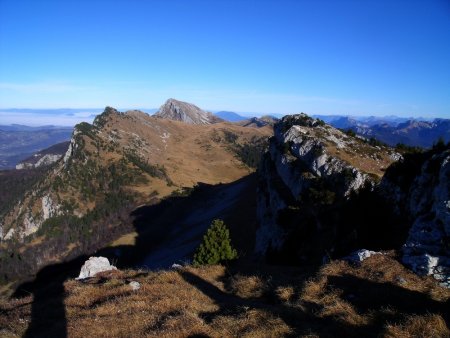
point(216, 246)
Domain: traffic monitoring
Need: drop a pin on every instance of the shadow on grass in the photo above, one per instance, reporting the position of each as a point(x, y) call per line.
point(48, 316)
point(366, 297)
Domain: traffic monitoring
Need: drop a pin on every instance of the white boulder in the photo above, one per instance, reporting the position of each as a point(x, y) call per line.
point(95, 265)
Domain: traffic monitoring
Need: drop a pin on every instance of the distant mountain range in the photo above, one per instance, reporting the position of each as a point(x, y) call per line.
point(393, 120)
point(20, 127)
point(421, 132)
point(230, 116)
point(393, 130)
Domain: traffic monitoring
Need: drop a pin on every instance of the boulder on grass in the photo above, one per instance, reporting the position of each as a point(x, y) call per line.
point(95, 265)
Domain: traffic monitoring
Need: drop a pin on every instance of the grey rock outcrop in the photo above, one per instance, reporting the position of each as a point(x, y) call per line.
point(186, 112)
point(300, 161)
point(94, 265)
point(49, 208)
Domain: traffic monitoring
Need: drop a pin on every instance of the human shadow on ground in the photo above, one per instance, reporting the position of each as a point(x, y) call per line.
point(48, 316)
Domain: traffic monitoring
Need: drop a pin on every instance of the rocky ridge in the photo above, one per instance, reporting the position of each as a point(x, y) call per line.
point(323, 193)
point(311, 164)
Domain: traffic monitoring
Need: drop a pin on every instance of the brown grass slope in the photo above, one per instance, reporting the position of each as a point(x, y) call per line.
point(378, 298)
point(189, 154)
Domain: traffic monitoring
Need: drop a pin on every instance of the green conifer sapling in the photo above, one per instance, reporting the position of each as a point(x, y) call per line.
point(216, 245)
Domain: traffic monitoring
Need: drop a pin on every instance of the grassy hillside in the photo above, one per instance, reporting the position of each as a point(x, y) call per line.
point(121, 162)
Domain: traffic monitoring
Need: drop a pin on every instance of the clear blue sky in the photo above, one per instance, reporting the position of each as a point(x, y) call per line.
point(320, 57)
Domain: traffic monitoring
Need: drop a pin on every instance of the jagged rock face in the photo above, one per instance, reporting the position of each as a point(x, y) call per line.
point(185, 112)
point(310, 169)
point(426, 200)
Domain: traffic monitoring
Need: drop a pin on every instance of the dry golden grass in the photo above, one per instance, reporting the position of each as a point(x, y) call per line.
point(338, 300)
point(354, 151)
point(363, 156)
point(428, 326)
point(191, 153)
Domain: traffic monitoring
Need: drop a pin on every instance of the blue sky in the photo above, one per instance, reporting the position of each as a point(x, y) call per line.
point(320, 57)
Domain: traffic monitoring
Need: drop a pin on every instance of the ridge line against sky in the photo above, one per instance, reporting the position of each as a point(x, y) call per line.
point(271, 57)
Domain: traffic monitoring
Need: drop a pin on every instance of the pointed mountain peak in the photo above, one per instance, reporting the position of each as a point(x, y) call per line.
point(186, 112)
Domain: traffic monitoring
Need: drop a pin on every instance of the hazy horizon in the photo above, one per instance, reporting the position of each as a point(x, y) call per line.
point(68, 117)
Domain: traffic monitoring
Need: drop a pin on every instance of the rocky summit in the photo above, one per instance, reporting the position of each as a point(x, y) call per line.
point(186, 112)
